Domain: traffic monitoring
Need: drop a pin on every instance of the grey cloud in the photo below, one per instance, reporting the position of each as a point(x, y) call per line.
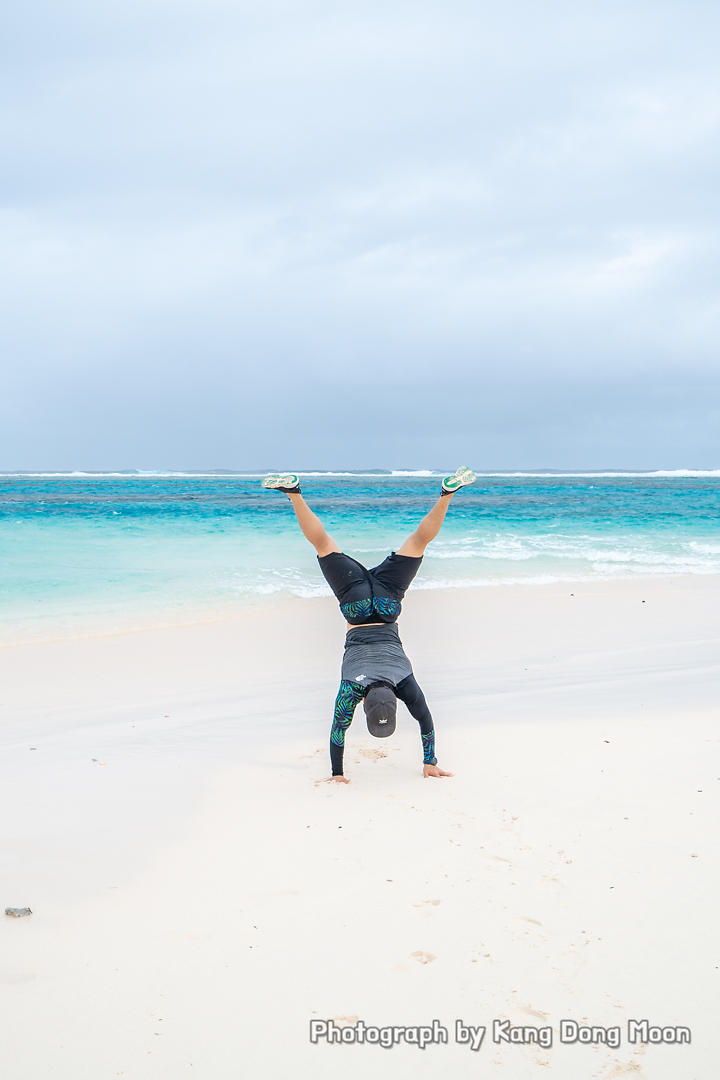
point(239, 234)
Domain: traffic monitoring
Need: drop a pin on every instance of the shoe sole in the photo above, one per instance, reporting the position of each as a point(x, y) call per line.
point(460, 479)
point(284, 480)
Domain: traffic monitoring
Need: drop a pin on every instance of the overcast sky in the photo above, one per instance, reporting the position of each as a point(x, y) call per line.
point(359, 234)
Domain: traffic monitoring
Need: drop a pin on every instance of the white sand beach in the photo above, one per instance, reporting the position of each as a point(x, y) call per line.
point(199, 894)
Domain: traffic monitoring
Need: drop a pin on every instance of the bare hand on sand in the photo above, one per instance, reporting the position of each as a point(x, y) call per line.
point(433, 770)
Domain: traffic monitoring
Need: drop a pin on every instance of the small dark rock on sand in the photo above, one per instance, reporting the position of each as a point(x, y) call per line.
point(18, 912)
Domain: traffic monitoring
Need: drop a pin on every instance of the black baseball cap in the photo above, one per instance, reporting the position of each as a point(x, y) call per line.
point(380, 706)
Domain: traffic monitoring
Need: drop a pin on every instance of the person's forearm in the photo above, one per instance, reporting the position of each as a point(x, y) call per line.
point(336, 758)
point(428, 742)
point(408, 691)
point(349, 695)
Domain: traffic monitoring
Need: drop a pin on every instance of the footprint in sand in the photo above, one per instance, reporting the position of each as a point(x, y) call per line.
point(631, 1068)
point(345, 1021)
point(425, 907)
point(419, 956)
point(551, 887)
point(497, 863)
point(529, 1011)
point(530, 929)
point(374, 755)
point(423, 957)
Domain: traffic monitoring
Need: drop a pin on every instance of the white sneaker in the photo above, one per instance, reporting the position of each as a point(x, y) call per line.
point(287, 482)
point(459, 479)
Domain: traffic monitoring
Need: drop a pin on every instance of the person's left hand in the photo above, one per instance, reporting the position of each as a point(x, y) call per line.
point(433, 770)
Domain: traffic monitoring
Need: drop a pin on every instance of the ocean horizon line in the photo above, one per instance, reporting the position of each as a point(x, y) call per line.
point(359, 473)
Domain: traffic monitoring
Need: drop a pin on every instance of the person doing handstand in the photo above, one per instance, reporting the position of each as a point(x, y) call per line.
point(375, 669)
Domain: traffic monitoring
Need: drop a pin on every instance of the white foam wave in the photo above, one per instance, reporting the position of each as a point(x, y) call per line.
point(704, 549)
point(307, 589)
point(135, 474)
point(611, 573)
point(415, 472)
point(482, 582)
point(600, 475)
point(685, 556)
point(378, 474)
point(129, 474)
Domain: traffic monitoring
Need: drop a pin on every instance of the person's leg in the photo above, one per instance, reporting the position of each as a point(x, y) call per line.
point(312, 527)
point(427, 530)
point(431, 524)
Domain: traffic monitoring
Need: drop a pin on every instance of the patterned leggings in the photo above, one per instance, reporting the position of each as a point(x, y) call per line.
point(351, 694)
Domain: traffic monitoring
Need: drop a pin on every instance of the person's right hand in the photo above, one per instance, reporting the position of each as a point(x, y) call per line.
point(433, 770)
point(338, 780)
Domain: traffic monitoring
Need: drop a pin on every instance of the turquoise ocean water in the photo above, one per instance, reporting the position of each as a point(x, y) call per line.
point(102, 552)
